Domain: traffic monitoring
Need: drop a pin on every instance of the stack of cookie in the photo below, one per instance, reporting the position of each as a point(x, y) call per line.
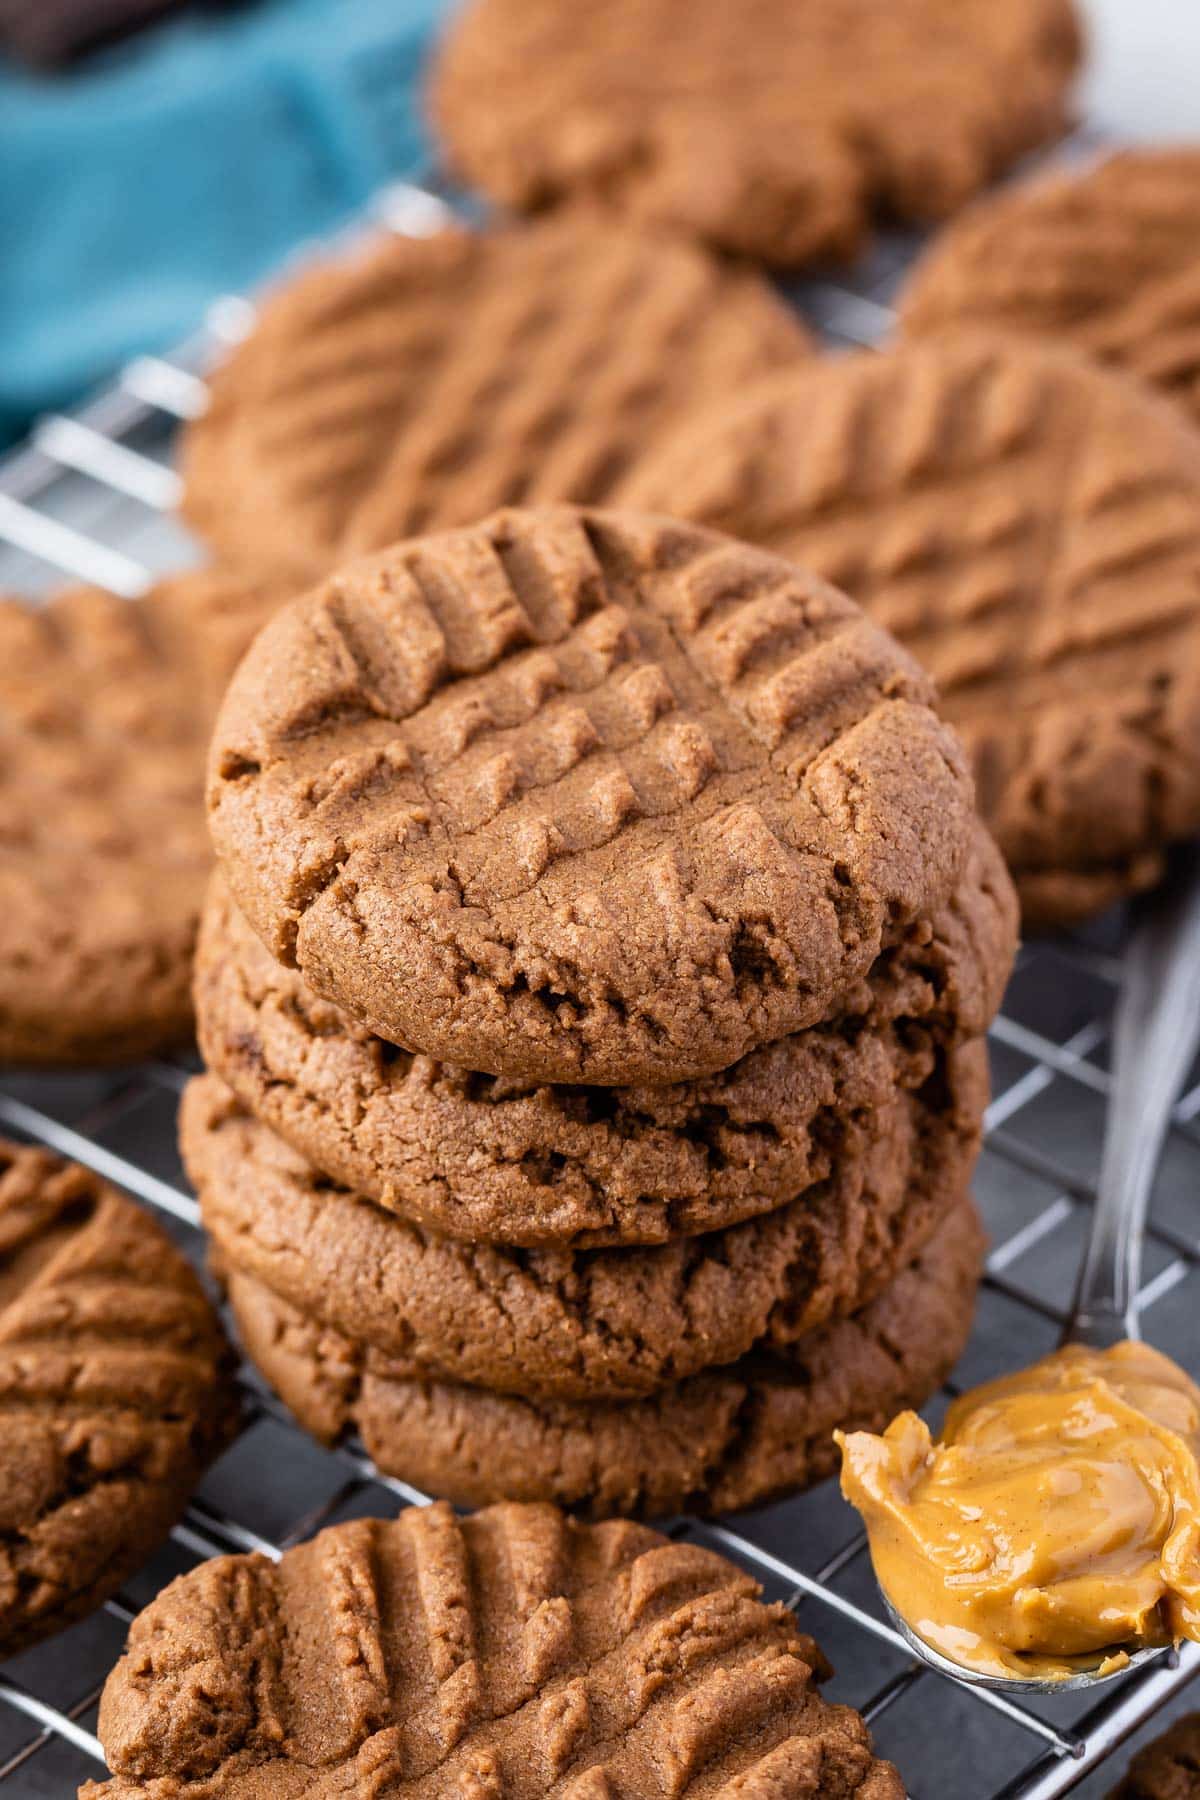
point(593, 996)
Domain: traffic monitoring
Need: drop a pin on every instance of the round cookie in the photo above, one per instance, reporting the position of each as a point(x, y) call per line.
point(1107, 257)
point(1028, 525)
point(724, 1439)
point(496, 1159)
point(583, 796)
point(430, 380)
point(579, 1324)
point(770, 129)
point(106, 707)
point(516, 1653)
point(115, 1391)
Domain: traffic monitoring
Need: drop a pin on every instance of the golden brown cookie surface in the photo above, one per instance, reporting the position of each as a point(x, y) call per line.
point(214, 613)
point(103, 856)
point(578, 795)
point(514, 1655)
point(768, 128)
point(431, 380)
point(106, 706)
point(115, 1391)
point(1028, 525)
point(1107, 258)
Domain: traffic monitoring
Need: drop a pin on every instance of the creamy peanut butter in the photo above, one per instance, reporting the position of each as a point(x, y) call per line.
point(1056, 1521)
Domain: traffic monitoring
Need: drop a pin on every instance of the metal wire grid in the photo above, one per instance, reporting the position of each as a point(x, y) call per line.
point(89, 498)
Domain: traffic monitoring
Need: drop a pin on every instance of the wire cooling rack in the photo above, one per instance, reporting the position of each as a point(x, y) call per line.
point(90, 497)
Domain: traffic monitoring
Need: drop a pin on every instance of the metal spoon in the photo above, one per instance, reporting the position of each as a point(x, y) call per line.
point(1156, 1033)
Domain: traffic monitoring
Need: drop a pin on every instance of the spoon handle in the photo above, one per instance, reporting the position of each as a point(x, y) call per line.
point(1155, 1037)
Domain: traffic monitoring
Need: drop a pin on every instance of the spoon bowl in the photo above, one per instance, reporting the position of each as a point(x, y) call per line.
point(1018, 1684)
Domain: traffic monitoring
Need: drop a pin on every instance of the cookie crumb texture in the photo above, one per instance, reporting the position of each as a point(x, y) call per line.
point(513, 1655)
point(1107, 258)
point(769, 129)
point(1167, 1769)
point(424, 383)
point(115, 1391)
point(106, 707)
point(727, 1438)
point(510, 1161)
point(587, 1324)
point(103, 856)
point(1028, 526)
point(583, 796)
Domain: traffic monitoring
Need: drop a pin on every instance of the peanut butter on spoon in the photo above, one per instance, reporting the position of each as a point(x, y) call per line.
point(1052, 1535)
point(1055, 1524)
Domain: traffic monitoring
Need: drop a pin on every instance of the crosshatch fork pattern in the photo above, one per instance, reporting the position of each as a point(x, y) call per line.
point(87, 498)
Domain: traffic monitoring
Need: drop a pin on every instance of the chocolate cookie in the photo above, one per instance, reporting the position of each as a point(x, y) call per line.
point(115, 1391)
point(1107, 257)
point(1029, 526)
point(484, 1157)
point(769, 129)
point(579, 1324)
point(1167, 1769)
point(106, 707)
point(433, 379)
point(724, 1439)
point(583, 796)
point(514, 1655)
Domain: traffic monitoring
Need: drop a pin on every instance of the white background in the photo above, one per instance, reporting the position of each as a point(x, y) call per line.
point(1144, 79)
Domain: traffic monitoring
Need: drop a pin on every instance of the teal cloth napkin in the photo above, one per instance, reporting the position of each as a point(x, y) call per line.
point(184, 165)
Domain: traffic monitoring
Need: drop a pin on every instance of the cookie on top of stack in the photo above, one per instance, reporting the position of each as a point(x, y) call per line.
point(593, 995)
